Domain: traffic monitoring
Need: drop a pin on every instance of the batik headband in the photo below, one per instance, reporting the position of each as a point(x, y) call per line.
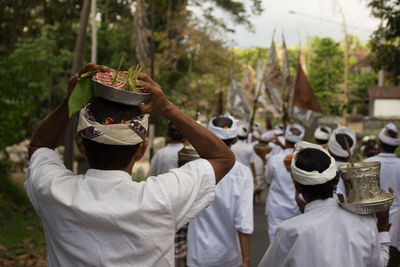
point(130, 132)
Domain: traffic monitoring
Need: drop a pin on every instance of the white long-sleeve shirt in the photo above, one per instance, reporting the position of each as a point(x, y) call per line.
point(389, 177)
point(213, 235)
point(103, 218)
point(395, 231)
point(281, 204)
point(244, 152)
point(328, 236)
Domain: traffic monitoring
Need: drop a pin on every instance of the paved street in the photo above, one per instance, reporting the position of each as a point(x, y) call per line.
point(259, 239)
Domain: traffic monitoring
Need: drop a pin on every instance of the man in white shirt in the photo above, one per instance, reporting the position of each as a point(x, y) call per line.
point(390, 164)
point(281, 204)
point(220, 235)
point(337, 149)
point(244, 151)
point(394, 259)
point(103, 218)
point(167, 157)
point(325, 235)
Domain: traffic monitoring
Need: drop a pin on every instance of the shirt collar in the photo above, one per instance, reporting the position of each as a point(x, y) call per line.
point(103, 174)
point(320, 203)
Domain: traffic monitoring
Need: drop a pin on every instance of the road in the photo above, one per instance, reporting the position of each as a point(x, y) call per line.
point(259, 239)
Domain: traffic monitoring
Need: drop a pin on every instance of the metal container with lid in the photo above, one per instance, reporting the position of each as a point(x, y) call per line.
point(363, 192)
point(186, 154)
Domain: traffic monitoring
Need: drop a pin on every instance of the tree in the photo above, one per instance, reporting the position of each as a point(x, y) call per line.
point(326, 72)
point(385, 41)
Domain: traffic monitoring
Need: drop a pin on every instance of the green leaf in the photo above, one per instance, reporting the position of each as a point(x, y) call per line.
point(89, 74)
point(81, 95)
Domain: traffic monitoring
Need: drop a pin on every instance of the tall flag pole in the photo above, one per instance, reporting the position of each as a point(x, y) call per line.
point(239, 103)
point(287, 83)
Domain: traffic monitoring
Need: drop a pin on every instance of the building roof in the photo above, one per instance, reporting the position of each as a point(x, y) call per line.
point(383, 92)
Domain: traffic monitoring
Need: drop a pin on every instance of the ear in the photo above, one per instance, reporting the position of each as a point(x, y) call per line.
point(79, 144)
point(141, 150)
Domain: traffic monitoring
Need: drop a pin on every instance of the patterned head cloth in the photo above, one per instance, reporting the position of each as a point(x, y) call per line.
point(131, 132)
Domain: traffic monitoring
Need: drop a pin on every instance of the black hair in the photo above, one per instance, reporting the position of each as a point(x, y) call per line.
point(388, 148)
point(228, 142)
point(110, 157)
point(325, 130)
point(340, 138)
point(312, 159)
point(224, 122)
point(321, 141)
point(174, 133)
point(242, 137)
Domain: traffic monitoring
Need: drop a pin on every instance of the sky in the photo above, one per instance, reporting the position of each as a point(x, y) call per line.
point(296, 27)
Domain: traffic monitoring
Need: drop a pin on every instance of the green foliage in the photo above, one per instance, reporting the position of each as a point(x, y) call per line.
point(385, 41)
point(326, 71)
point(34, 77)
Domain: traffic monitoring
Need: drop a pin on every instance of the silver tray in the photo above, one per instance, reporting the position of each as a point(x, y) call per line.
point(118, 95)
point(380, 204)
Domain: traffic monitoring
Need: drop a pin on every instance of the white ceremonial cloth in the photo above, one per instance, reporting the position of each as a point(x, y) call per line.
point(260, 169)
point(103, 218)
point(212, 236)
point(329, 236)
point(395, 231)
point(244, 152)
point(390, 177)
point(276, 149)
point(268, 134)
point(281, 204)
point(165, 159)
point(340, 189)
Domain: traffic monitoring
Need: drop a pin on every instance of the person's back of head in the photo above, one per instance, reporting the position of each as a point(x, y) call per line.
point(321, 135)
point(109, 156)
point(174, 134)
point(294, 133)
point(225, 128)
point(314, 170)
point(388, 138)
point(337, 143)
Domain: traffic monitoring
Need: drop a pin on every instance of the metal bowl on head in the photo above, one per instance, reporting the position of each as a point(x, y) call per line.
point(119, 95)
point(363, 192)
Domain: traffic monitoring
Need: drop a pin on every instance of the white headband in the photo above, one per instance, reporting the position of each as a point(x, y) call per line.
point(314, 177)
point(335, 147)
point(243, 130)
point(224, 133)
point(292, 137)
point(321, 135)
point(387, 139)
point(132, 132)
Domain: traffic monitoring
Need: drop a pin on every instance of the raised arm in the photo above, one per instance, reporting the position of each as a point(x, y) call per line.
point(207, 145)
point(52, 128)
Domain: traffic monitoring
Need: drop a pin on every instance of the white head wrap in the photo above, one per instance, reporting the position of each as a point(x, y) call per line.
point(314, 177)
point(243, 130)
point(387, 139)
point(292, 137)
point(224, 133)
point(321, 135)
point(335, 147)
point(365, 138)
point(132, 132)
